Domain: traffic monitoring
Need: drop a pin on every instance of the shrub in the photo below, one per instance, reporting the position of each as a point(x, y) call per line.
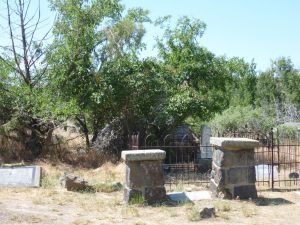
point(242, 119)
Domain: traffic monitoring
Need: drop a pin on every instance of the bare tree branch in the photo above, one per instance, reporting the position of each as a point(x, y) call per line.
point(32, 60)
point(25, 50)
point(26, 11)
point(13, 42)
point(36, 25)
point(24, 43)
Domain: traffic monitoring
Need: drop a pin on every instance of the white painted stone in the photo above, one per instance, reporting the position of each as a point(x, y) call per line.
point(264, 172)
point(23, 176)
point(190, 196)
point(206, 151)
point(234, 143)
point(297, 193)
point(143, 155)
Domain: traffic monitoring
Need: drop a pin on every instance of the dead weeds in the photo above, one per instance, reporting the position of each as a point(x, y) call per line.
point(53, 205)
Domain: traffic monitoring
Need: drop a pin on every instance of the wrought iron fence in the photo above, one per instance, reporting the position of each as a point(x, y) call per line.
point(183, 163)
point(277, 158)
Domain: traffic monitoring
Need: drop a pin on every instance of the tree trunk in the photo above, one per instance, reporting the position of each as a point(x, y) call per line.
point(85, 130)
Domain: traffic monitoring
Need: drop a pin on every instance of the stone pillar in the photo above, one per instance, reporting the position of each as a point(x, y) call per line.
point(144, 175)
point(233, 168)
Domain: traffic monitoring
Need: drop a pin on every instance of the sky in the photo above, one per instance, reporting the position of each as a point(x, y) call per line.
point(262, 30)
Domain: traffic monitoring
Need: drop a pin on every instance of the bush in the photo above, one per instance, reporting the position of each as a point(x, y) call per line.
point(242, 119)
point(284, 133)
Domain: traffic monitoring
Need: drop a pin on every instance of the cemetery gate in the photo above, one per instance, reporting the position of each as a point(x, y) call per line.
point(277, 158)
point(188, 160)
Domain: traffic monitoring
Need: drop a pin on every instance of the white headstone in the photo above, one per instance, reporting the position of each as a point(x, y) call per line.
point(21, 176)
point(206, 151)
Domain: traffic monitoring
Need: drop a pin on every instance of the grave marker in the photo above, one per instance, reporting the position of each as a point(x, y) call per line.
point(20, 176)
point(206, 151)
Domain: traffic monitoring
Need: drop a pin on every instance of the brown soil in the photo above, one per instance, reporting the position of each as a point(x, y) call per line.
point(50, 204)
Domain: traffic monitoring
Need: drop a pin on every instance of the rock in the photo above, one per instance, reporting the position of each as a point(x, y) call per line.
point(116, 186)
point(110, 138)
point(207, 212)
point(74, 183)
point(72, 129)
point(294, 175)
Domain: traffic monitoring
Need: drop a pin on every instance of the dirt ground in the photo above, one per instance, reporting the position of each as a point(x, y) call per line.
point(53, 205)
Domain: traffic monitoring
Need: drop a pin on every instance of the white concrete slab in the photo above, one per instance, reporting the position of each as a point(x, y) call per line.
point(20, 176)
point(190, 196)
point(297, 192)
point(264, 172)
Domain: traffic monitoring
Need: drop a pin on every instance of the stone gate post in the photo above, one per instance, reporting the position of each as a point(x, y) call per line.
point(233, 168)
point(144, 175)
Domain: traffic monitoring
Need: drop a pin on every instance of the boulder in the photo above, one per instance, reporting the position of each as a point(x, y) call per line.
point(110, 138)
point(116, 186)
point(207, 212)
point(74, 183)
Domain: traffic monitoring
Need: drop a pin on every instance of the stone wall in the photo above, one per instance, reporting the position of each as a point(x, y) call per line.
point(233, 168)
point(144, 175)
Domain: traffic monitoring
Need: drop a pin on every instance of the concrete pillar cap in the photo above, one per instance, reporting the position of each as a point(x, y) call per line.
point(234, 143)
point(143, 155)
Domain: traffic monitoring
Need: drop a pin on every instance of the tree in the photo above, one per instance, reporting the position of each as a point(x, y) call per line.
point(89, 36)
point(243, 85)
point(278, 90)
point(289, 79)
point(196, 78)
point(6, 98)
point(24, 75)
point(24, 54)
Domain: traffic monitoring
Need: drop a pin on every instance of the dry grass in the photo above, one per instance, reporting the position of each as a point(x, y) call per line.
point(193, 214)
point(53, 205)
point(222, 205)
point(107, 173)
point(30, 219)
point(248, 210)
point(64, 146)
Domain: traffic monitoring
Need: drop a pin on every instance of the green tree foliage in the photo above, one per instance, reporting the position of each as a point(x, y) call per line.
point(93, 73)
point(77, 35)
point(289, 80)
point(132, 90)
point(94, 56)
point(244, 81)
point(6, 97)
point(196, 78)
point(23, 77)
point(278, 90)
point(24, 55)
point(239, 118)
point(279, 84)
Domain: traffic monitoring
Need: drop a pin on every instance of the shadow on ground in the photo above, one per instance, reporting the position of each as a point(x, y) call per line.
point(261, 201)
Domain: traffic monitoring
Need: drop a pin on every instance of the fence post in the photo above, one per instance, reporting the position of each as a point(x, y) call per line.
point(272, 159)
point(233, 168)
point(144, 175)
